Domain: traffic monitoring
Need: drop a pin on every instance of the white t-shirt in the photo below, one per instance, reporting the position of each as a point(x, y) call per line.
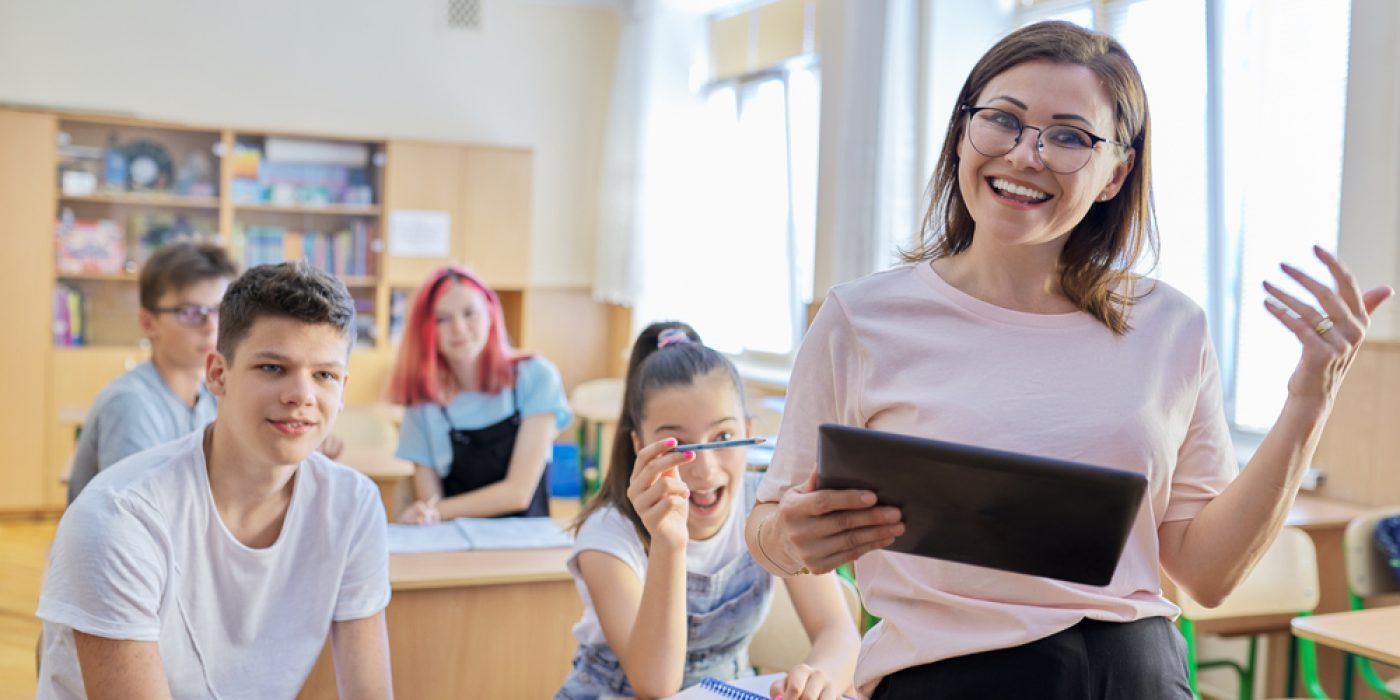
point(143, 555)
point(608, 530)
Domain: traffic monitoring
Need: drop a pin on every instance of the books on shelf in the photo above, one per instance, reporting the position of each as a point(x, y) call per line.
point(68, 316)
point(302, 173)
point(344, 253)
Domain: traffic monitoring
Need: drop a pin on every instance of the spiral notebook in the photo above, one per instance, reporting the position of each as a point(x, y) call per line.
point(755, 688)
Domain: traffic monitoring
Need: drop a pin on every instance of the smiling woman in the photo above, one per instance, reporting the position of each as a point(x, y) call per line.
point(1031, 333)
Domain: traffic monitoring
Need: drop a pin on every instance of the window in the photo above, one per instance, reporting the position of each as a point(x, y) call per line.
point(1247, 149)
point(740, 269)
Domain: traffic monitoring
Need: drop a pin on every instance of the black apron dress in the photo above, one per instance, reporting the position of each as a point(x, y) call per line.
point(481, 457)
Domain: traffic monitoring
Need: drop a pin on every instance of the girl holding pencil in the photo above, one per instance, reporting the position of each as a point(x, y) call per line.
point(481, 417)
point(671, 595)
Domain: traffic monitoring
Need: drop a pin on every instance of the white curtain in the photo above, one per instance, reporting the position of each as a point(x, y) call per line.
point(660, 47)
point(871, 178)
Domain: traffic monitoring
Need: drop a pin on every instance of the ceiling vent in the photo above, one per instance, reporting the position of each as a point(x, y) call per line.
point(464, 14)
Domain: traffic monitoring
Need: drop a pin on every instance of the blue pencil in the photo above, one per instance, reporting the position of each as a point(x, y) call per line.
point(717, 445)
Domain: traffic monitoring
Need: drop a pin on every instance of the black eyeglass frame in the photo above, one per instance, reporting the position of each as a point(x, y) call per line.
point(184, 311)
point(1094, 139)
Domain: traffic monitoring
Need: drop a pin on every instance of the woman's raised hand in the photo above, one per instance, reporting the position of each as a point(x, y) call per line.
point(1330, 335)
point(825, 528)
point(658, 494)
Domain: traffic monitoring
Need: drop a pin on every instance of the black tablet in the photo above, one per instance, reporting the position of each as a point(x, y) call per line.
point(1004, 510)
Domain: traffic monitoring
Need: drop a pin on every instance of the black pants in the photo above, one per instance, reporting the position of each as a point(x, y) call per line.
point(1142, 660)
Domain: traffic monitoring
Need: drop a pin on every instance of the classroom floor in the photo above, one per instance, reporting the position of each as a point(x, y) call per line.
point(23, 547)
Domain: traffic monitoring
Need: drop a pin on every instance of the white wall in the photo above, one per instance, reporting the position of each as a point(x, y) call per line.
point(1370, 225)
point(536, 74)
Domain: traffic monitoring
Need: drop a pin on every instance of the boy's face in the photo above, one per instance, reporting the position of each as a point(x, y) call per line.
point(280, 394)
point(181, 335)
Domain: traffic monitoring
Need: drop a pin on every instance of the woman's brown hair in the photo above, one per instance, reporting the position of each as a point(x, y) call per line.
point(1097, 260)
point(650, 368)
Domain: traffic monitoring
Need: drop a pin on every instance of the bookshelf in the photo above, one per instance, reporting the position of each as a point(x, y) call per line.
point(213, 183)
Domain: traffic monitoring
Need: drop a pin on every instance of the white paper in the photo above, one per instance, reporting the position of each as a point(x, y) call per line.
point(420, 234)
point(513, 533)
point(465, 534)
point(438, 537)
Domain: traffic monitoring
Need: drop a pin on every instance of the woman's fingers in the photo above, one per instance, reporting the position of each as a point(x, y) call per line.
point(1307, 317)
point(826, 555)
point(1333, 307)
point(1347, 288)
point(1374, 296)
point(1305, 331)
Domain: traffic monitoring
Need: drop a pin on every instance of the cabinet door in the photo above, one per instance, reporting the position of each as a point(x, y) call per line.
point(28, 170)
point(495, 207)
point(421, 177)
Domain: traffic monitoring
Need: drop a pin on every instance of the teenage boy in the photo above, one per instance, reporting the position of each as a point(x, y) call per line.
point(215, 565)
point(163, 398)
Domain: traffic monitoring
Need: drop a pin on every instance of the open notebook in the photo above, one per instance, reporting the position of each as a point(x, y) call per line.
point(465, 534)
point(754, 688)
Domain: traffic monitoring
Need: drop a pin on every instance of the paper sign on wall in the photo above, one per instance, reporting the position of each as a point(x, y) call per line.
point(420, 234)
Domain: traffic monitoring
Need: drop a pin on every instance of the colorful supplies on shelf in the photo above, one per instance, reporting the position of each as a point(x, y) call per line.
point(86, 246)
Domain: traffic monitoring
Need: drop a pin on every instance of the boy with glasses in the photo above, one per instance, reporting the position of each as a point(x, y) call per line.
point(163, 398)
point(215, 566)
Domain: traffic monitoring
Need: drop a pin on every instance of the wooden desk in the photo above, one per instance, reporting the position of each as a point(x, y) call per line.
point(389, 473)
point(492, 624)
point(1325, 521)
point(1374, 633)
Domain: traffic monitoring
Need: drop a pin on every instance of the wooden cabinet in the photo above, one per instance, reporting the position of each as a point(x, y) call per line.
point(194, 182)
point(27, 164)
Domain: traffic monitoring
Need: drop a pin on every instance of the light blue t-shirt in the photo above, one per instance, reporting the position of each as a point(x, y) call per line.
point(423, 438)
point(136, 412)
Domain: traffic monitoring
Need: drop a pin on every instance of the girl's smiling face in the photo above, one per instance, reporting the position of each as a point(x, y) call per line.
point(1013, 198)
point(707, 410)
point(463, 319)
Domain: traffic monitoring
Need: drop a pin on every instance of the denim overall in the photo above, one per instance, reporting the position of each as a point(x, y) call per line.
point(723, 610)
point(481, 457)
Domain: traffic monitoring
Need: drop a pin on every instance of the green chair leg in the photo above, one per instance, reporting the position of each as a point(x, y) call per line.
point(1245, 672)
point(1188, 632)
point(848, 572)
point(1363, 664)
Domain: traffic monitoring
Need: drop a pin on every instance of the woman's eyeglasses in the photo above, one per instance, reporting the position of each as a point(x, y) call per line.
point(189, 315)
point(1062, 148)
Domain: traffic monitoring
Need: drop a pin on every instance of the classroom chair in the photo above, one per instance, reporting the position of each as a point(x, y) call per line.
point(781, 642)
point(597, 404)
point(1284, 583)
point(369, 426)
point(1367, 575)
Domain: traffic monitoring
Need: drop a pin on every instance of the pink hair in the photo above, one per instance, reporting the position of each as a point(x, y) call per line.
point(421, 375)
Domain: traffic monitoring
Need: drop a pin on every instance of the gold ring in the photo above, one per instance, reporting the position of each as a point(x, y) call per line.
point(1323, 326)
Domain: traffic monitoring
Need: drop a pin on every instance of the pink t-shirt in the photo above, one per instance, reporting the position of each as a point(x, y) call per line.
point(904, 351)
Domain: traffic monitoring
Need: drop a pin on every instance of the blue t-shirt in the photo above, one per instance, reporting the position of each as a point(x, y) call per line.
point(423, 438)
point(136, 412)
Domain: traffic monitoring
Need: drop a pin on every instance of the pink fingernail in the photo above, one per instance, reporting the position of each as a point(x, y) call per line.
point(671, 442)
point(690, 454)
